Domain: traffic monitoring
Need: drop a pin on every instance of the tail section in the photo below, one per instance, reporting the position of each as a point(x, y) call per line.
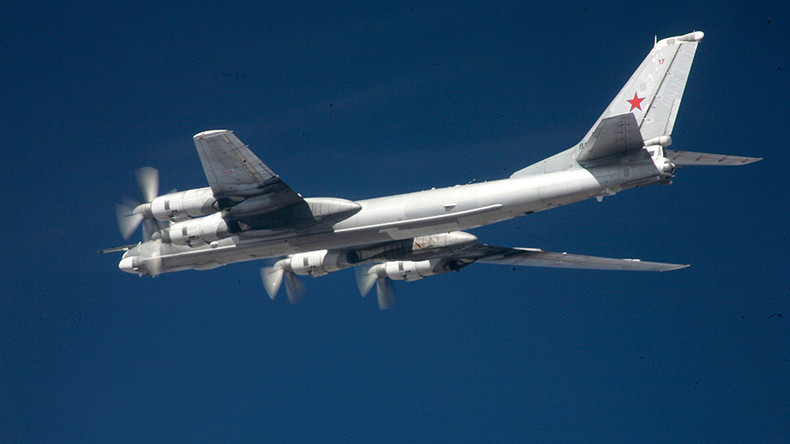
point(613, 136)
point(654, 91)
point(647, 105)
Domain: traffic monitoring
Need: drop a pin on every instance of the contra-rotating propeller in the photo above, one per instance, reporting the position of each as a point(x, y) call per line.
point(369, 275)
point(152, 254)
point(273, 277)
point(131, 213)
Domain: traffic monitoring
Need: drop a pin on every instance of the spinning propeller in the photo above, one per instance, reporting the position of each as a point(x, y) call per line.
point(370, 275)
point(152, 254)
point(131, 213)
point(273, 277)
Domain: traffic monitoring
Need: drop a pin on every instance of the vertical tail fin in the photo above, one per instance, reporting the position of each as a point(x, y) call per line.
point(652, 96)
point(654, 91)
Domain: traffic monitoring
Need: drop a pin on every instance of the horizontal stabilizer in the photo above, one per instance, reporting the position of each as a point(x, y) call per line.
point(688, 158)
point(613, 136)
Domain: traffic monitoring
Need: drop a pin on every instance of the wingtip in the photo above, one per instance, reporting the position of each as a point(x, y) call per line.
point(209, 133)
point(750, 160)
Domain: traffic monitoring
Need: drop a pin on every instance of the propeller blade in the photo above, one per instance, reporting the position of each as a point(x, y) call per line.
point(154, 265)
point(152, 257)
point(149, 228)
point(365, 279)
point(148, 180)
point(294, 287)
point(130, 214)
point(128, 220)
point(272, 278)
point(385, 293)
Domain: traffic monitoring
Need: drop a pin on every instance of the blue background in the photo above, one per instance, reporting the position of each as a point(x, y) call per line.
point(358, 101)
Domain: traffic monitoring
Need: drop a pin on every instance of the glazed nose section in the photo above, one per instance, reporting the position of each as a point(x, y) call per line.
point(127, 265)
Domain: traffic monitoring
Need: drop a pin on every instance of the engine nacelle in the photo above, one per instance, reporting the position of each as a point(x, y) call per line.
point(408, 270)
point(181, 205)
point(314, 263)
point(415, 270)
point(198, 231)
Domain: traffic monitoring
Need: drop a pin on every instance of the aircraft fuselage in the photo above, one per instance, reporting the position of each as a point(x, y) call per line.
point(404, 216)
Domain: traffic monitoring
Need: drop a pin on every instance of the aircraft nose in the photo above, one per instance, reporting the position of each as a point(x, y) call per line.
point(127, 265)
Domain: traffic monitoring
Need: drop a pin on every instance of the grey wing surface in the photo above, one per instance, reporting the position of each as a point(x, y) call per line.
point(235, 173)
point(533, 257)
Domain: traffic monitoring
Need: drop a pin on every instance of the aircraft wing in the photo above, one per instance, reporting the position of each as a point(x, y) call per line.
point(381, 274)
point(533, 257)
point(235, 173)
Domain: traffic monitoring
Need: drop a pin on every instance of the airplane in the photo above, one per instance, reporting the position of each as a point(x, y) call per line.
point(248, 213)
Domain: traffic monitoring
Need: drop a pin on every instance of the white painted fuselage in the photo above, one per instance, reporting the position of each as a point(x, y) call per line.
point(405, 216)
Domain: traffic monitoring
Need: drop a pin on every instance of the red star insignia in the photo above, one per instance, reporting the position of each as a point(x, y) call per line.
point(636, 102)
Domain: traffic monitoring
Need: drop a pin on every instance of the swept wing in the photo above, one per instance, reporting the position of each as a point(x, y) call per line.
point(533, 257)
point(249, 191)
point(235, 173)
point(381, 274)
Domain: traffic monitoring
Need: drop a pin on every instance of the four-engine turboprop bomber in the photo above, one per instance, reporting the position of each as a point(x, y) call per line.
point(247, 212)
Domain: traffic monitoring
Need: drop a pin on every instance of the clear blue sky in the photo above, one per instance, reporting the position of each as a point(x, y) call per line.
point(359, 101)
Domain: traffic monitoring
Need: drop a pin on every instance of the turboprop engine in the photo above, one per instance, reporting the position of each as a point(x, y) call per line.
point(180, 205)
point(204, 230)
point(175, 206)
point(311, 263)
point(194, 232)
point(384, 273)
point(314, 263)
point(414, 270)
point(321, 262)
